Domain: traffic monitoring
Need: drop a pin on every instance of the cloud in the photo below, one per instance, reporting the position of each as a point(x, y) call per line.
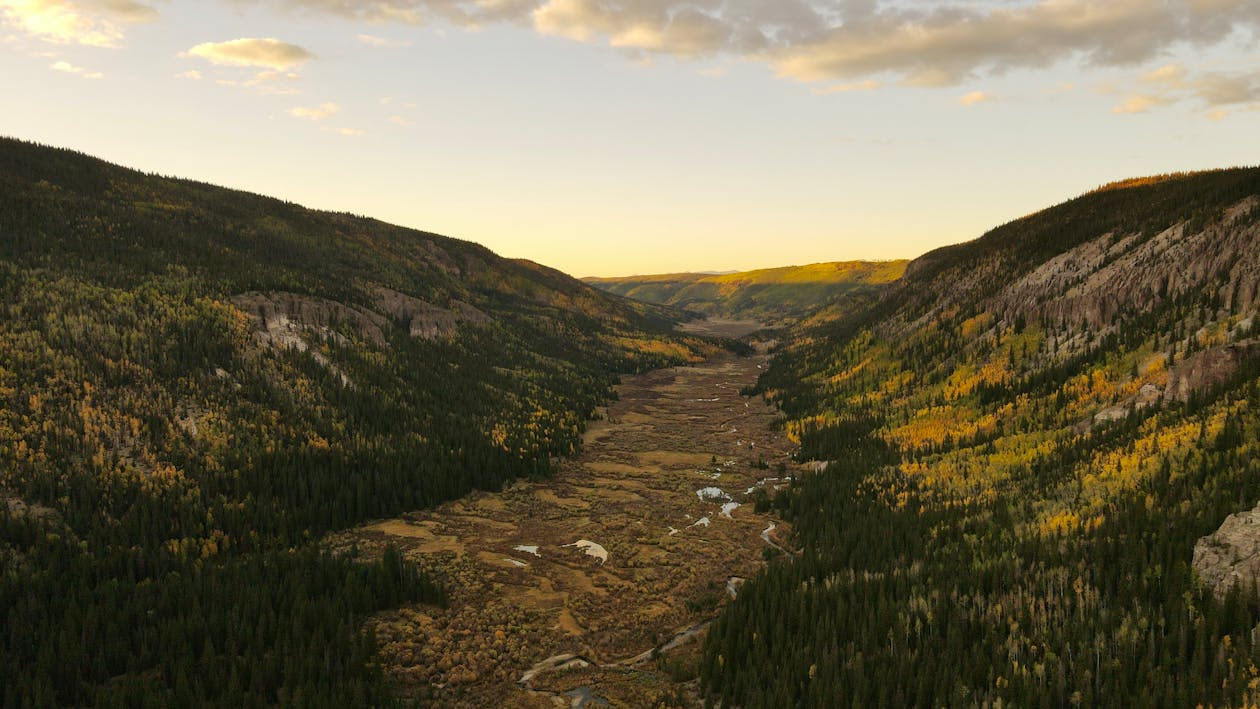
point(465, 13)
point(1138, 103)
point(1221, 114)
point(350, 132)
point(382, 42)
point(400, 120)
point(914, 43)
point(685, 30)
point(1214, 90)
point(69, 68)
point(911, 42)
point(191, 74)
point(1167, 74)
point(315, 113)
point(1219, 89)
point(269, 53)
point(949, 44)
point(974, 98)
point(94, 23)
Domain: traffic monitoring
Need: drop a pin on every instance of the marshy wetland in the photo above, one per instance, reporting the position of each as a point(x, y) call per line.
point(590, 587)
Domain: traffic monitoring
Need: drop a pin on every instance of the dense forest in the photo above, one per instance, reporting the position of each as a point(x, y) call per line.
point(1025, 439)
point(196, 383)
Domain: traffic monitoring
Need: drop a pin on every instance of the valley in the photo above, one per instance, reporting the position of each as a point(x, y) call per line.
point(254, 454)
point(626, 548)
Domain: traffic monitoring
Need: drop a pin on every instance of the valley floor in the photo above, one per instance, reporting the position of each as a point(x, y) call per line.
point(630, 545)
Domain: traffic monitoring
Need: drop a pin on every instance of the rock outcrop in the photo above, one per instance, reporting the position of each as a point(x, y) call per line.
point(1115, 274)
point(281, 318)
point(1230, 555)
point(424, 319)
point(284, 320)
point(1208, 369)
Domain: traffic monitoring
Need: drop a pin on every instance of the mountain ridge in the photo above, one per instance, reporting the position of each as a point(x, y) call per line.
point(196, 383)
point(1026, 437)
point(773, 294)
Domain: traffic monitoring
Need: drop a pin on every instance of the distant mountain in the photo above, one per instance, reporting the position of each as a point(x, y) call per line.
point(196, 382)
point(1026, 436)
point(770, 295)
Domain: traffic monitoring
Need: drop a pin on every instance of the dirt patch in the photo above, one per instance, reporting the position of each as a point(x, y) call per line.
point(549, 497)
point(605, 467)
point(675, 458)
point(569, 624)
point(401, 528)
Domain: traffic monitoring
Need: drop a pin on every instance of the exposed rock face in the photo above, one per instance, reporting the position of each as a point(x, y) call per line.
point(1087, 290)
point(1114, 413)
point(1114, 274)
point(1230, 555)
point(425, 320)
point(281, 318)
point(1209, 368)
point(284, 319)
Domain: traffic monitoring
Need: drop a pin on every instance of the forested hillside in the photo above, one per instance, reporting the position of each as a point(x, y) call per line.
point(1026, 437)
point(195, 383)
point(772, 295)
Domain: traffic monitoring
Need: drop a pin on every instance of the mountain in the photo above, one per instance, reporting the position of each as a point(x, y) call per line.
point(1022, 442)
point(772, 295)
point(195, 382)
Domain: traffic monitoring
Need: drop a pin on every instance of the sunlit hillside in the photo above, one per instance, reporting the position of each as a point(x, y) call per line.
point(773, 295)
point(1026, 438)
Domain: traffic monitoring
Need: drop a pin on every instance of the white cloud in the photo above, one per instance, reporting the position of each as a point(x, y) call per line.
point(315, 113)
point(191, 74)
point(273, 82)
point(350, 132)
point(94, 23)
point(400, 120)
point(69, 68)
point(268, 53)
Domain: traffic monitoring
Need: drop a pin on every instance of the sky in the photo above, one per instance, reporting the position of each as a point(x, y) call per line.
point(614, 137)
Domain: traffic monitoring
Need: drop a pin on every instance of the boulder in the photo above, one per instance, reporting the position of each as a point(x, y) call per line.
point(1230, 555)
